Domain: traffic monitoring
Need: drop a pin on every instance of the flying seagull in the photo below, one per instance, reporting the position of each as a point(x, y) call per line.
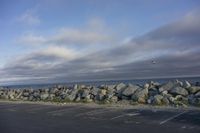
point(153, 62)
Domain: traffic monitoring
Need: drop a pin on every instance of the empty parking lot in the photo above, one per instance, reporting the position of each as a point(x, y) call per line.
point(37, 118)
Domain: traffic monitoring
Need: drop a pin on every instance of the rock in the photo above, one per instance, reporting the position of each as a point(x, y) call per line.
point(78, 98)
point(153, 84)
point(26, 94)
point(125, 97)
point(85, 93)
point(119, 88)
point(197, 94)
point(193, 89)
point(63, 95)
point(170, 85)
point(103, 91)
point(100, 97)
point(192, 99)
point(165, 101)
point(146, 86)
point(53, 90)
point(114, 99)
point(46, 90)
point(179, 91)
point(179, 100)
point(110, 92)
point(186, 84)
point(36, 95)
point(130, 90)
point(171, 99)
point(88, 99)
point(184, 100)
point(140, 95)
point(150, 100)
point(164, 93)
point(19, 95)
point(157, 99)
point(30, 98)
point(109, 95)
point(76, 86)
point(1, 92)
point(153, 92)
point(111, 87)
point(179, 82)
point(94, 91)
point(25, 98)
point(11, 95)
point(44, 96)
point(73, 95)
point(197, 84)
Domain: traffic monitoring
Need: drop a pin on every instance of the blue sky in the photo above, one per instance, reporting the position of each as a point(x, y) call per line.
point(97, 39)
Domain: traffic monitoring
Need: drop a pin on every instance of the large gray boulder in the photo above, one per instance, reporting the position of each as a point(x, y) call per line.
point(19, 95)
point(130, 90)
point(111, 87)
point(113, 99)
point(179, 91)
point(85, 93)
point(193, 89)
point(94, 91)
point(157, 100)
point(186, 84)
point(100, 97)
point(192, 99)
point(165, 101)
point(44, 96)
point(26, 94)
point(63, 95)
point(36, 94)
point(197, 94)
point(51, 96)
point(146, 86)
point(11, 95)
point(119, 88)
point(53, 90)
point(72, 96)
point(140, 96)
point(170, 85)
point(153, 84)
point(110, 91)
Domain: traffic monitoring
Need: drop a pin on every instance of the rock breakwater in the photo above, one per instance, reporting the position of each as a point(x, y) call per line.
point(172, 93)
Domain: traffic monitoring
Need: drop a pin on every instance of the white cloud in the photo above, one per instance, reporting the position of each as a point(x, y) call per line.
point(79, 36)
point(93, 33)
point(60, 52)
point(29, 17)
point(31, 40)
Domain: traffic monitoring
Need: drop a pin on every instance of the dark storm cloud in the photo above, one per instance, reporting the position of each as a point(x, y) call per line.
point(175, 48)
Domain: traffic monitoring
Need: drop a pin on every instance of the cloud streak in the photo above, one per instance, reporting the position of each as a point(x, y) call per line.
point(93, 33)
point(29, 18)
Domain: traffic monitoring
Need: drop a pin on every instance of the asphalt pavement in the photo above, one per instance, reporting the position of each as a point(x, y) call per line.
point(37, 118)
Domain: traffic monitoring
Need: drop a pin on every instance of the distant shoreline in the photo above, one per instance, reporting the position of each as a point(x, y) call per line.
point(141, 81)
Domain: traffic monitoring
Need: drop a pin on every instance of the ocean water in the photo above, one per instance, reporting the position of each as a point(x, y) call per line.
point(192, 80)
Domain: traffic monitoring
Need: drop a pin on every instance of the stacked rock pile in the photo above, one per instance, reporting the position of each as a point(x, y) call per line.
point(170, 93)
